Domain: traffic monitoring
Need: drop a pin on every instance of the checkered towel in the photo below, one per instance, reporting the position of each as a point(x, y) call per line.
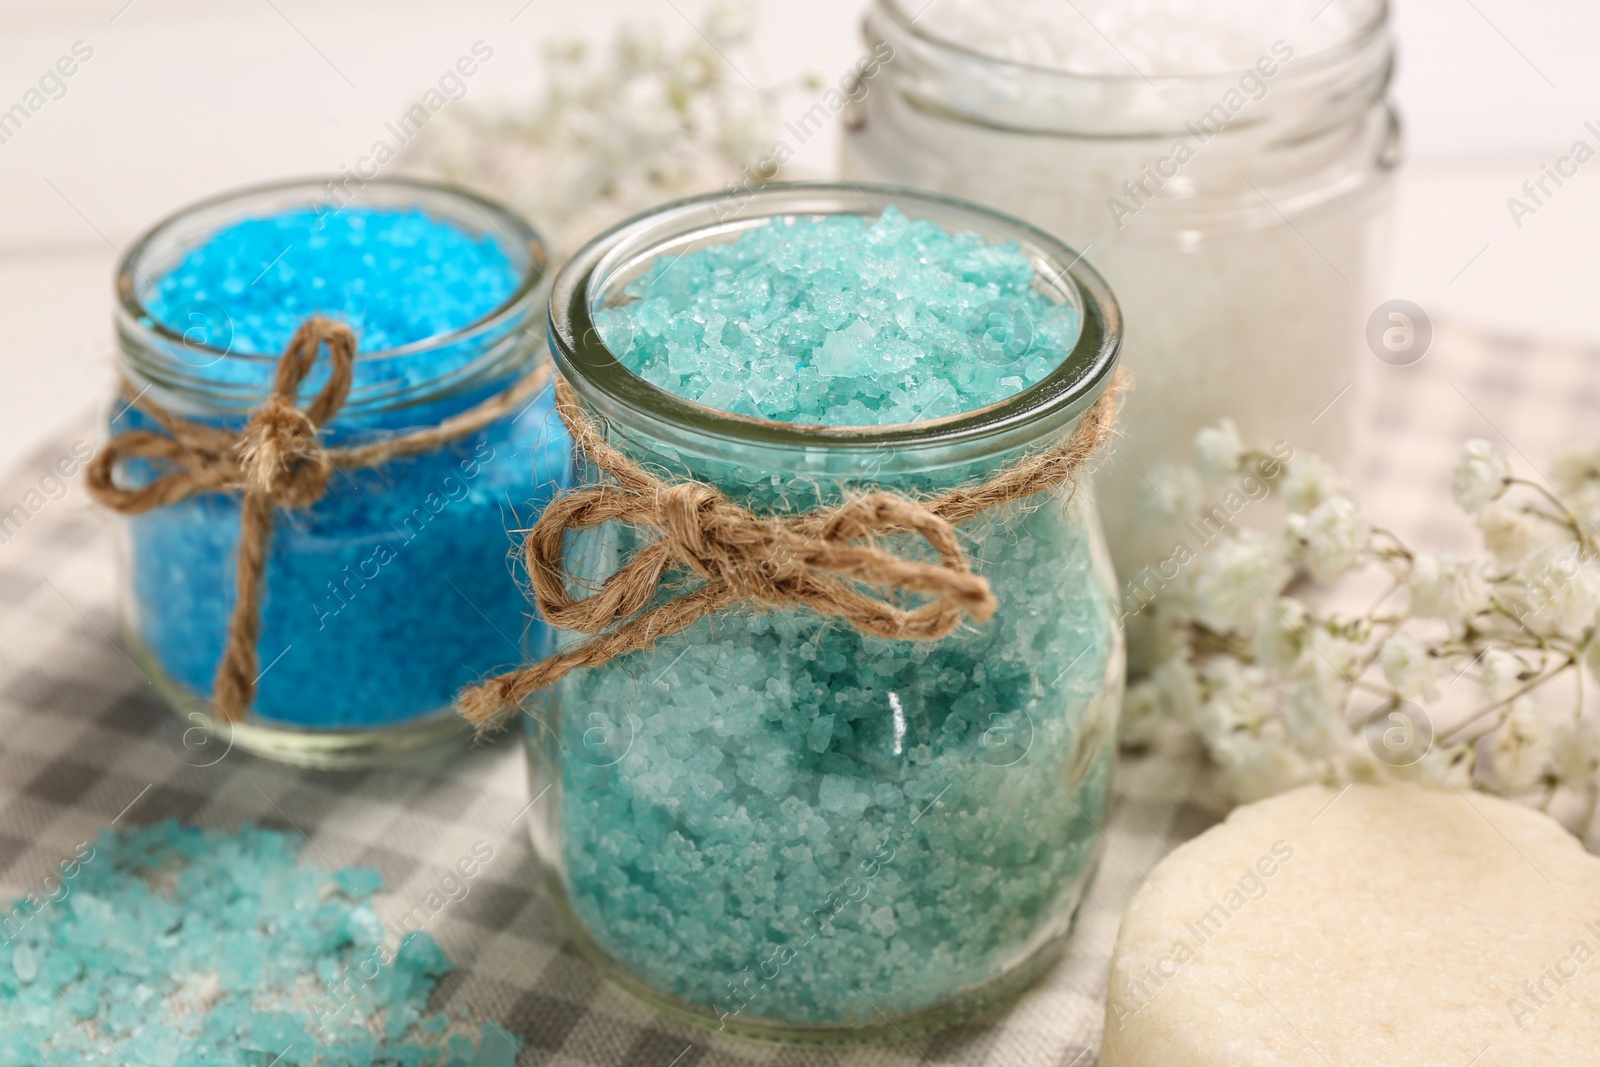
point(85, 742)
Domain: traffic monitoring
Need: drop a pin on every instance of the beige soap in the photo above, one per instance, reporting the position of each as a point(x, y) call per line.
point(1374, 926)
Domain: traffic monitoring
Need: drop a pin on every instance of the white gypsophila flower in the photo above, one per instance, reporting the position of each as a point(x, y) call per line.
point(1317, 731)
point(1480, 476)
point(616, 129)
point(1282, 635)
point(637, 47)
point(1219, 450)
point(1444, 587)
point(731, 22)
point(1235, 582)
point(1408, 667)
point(1237, 698)
point(1170, 494)
point(1178, 688)
point(1575, 603)
point(1331, 657)
point(1508, 533)
point(1214, 719)
point(1311, 480)
point(1324, 673)
point(1577, 479)
point(1175, 596)
point(1141, 714)
point(1332, 538)
point(1522, 749)
point(1502, 673)
point(1447, 767)
point(1584, 503)
point(1576, 748)
point(1560, 589)
point(745, 137)
point(1294, 533)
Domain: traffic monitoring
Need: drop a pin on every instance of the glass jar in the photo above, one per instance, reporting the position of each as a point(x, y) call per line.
point(771, 824)
point(390, 592)
point(1241, 217)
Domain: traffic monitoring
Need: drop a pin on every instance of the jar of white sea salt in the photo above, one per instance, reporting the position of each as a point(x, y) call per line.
point(1226, 163)
point(770, 822)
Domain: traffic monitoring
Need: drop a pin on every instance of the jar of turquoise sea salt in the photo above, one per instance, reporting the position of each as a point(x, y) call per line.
point(769, 822)
point(389, 591)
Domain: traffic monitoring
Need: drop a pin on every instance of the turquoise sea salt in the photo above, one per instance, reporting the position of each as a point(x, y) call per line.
point(392, 591)
point(170, 946)
point(770, 817)
point(842, 321)
point(808, 825)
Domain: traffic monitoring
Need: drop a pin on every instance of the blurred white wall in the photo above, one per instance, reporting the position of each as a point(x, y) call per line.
point(182, 98)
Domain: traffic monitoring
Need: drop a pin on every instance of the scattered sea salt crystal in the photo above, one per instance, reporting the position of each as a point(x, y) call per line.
point(175, 945)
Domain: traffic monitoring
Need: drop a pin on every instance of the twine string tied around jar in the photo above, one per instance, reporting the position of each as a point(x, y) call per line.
point(825, 560)
point(275, 461)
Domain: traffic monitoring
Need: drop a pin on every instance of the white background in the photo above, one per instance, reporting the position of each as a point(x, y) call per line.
point(183, 98)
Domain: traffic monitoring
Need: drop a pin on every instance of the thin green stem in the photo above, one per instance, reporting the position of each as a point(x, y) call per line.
point(1489, 709)
point(1571, 520)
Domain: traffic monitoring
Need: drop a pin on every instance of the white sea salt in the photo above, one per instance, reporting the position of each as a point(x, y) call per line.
point(1151, 37)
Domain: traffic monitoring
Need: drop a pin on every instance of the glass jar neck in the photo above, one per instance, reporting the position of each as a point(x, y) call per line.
point(1282, 97)
point(420, 388)
point(742, 453)
point(1107, 159)
point(189, 366)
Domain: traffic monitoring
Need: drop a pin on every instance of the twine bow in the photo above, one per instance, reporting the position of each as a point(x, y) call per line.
point(825, 560)
point(276, 461)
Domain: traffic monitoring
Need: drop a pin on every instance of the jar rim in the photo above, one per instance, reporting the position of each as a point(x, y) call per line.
point(1352, 44)
point(1066, 392)
point(515, 232)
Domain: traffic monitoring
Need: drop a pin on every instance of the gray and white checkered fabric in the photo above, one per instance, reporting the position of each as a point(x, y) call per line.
point(85, 742)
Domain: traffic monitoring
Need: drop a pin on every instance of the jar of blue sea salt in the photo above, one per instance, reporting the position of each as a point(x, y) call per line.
point(389, 592)
point(769, 822)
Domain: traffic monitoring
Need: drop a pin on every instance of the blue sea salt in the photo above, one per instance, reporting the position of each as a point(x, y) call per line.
point(392, 591)
point(396, 276)
point(771, 816)
point(170, 946)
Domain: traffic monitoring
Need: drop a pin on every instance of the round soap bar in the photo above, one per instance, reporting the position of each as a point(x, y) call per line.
point(1380, 925)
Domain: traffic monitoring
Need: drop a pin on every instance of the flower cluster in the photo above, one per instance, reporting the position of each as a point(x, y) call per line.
point(1431, 678)
point(616, 129)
